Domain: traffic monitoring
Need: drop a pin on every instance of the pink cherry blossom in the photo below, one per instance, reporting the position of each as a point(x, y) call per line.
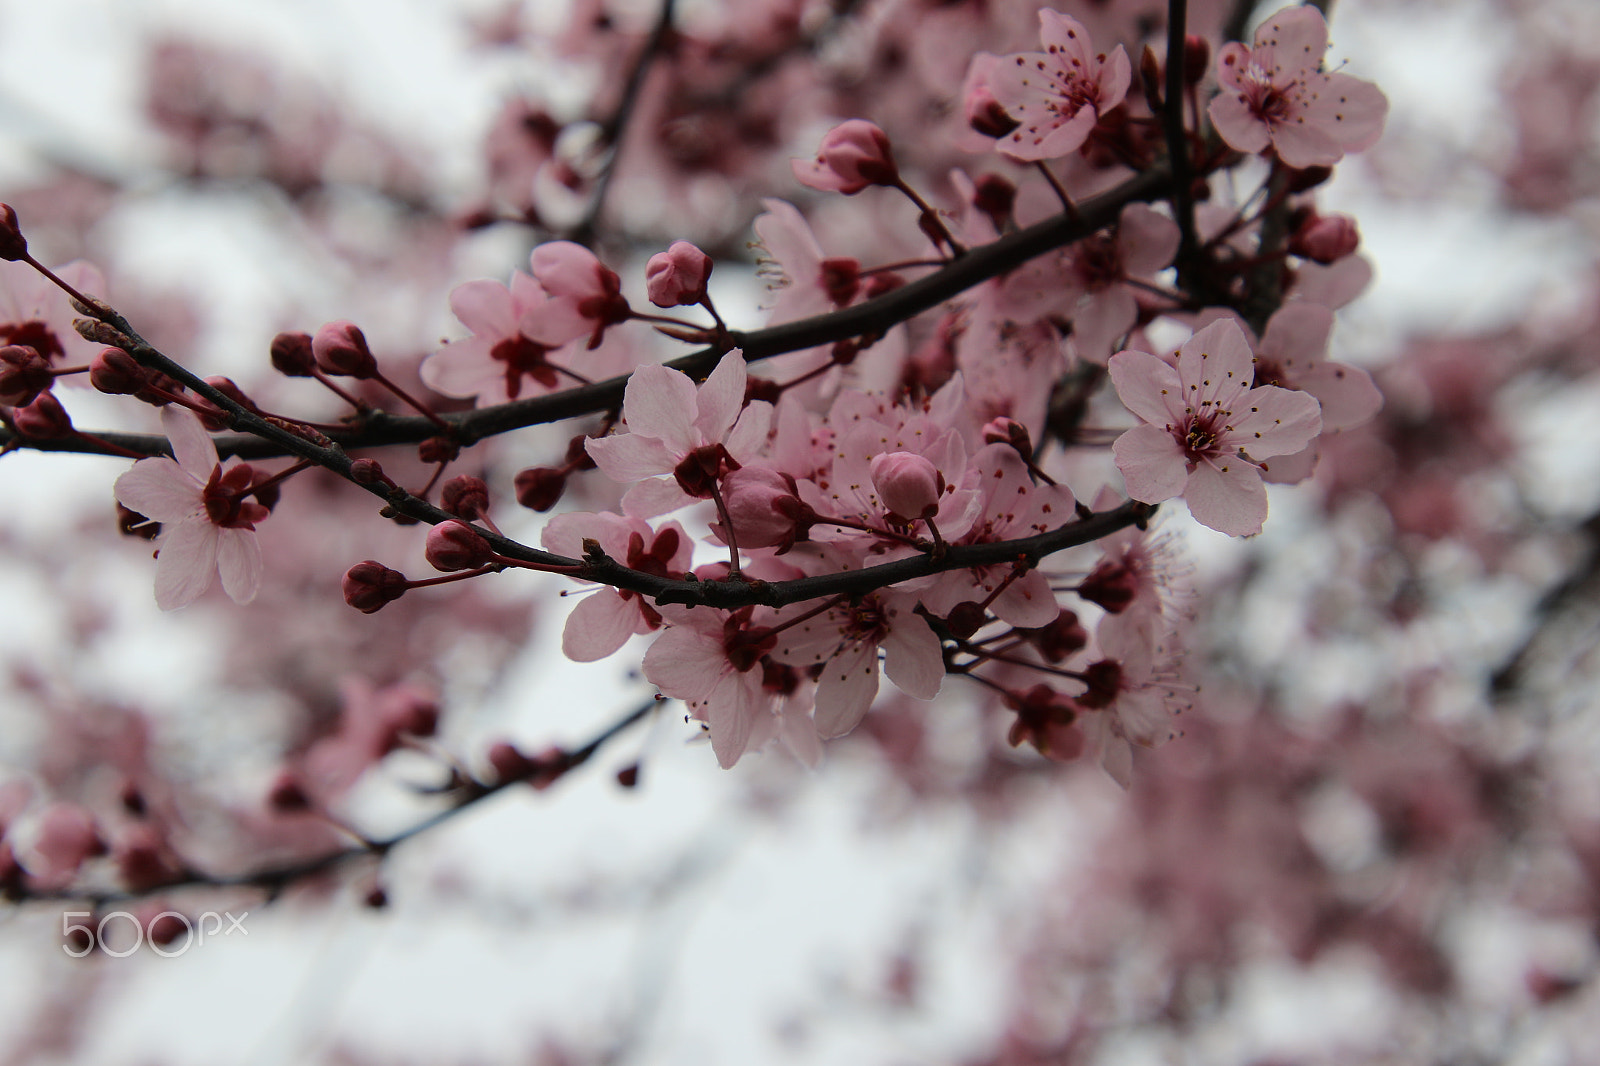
point(605, 618)
point(207, 520)
point(1276, 94)
point(567, 269)
point(1059, 94)
point(712, 661)
point(854, 155)
point(1198, 419)
point(516, 334)
point(1293, 353)
point(677, 276)
point(845, 640)
point(675, 428)
point(36, 313)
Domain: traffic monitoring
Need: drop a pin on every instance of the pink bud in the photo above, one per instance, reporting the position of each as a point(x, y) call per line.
point(1004, 430)
point(763, 507)
point(984, 111)
point(456, 546)
point(369, 586)
point(341, 348)
point(24, 374)
point(1325, 238)
point(908, 485)
point(677, 276)
point(854, 155)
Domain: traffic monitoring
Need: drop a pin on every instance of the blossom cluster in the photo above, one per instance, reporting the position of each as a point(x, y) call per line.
point(909, 439)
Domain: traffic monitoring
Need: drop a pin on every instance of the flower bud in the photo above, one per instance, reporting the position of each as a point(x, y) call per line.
point(1325, 238)
point(43, 419)
point(369, 586)
point(439, 450)
point(983, 109)
point(854, 155)
point(966, 618)
point(117, 373)
point(456, 546)
point(1060, 638)
point(464, 497)
point(340, 348)
point(908, 485)
point(677, 276)
point(539, 488)
point(13, 245)
point(292, 355)
point(764, 509)
point(368, 472)
point(24, 374)
point(1005, 430)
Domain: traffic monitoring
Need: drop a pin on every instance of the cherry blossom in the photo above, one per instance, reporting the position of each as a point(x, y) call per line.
point(1056, 96)
point(605, 618)
point(712, 661)
point(515, 332)
point(1198, 420)
point(675, 428)
point(1276, 94)
point(845, 641)
point(207, 518)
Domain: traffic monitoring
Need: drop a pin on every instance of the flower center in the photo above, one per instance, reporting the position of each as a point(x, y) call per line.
point(524, 357)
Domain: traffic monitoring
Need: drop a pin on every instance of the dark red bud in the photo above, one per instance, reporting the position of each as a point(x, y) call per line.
point(116, 372)
point(43, 419)
point(439, 450)
point(24, 374)
point(13, 245)
point(369, 586)
point(464, 497)
point(539, 488)
point(292, 355)
point(367, 472)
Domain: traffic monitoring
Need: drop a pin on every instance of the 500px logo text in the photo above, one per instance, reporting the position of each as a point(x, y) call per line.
point(162, 931)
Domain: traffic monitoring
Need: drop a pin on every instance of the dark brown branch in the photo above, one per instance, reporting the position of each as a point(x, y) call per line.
point(875, 316)
point(275, 878)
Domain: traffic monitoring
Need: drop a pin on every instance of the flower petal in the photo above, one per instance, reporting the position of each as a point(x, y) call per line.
point(239, 562)
point(191, 444)
point(186, 563)
point(158, 488)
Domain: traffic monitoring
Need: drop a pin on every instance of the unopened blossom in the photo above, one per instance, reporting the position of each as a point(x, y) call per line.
point(1325, 238)
point(1056, 96)
point(677, 276)
point(24, 374)
point(765, 508)
point(340, 348)
point(908, 484)
point(1276, 94)
point(207, 519)
point(455, 546)
point(853, 156)
point(1198, 420)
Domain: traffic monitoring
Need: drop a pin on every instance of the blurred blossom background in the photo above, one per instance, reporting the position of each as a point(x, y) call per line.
point(1378, 840)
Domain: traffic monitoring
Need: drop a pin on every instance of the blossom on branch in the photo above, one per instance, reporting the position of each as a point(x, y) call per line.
point(207, 518)
point(1277, 95)
point(1055, 96)
point(1199, 419)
